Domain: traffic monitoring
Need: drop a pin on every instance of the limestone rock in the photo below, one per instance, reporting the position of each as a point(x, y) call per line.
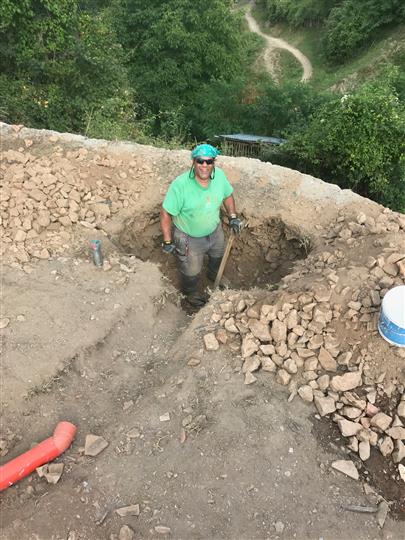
point(396, 433)
point(399, 453)
point(347, 467)
point(260, 330)
point(230, 326)
point(250, 378)
point(278, 331)
point(347, 428)
point(249, 346)
point(323, 382)
point(132, 510)
point(94, 445)
point(325, 405)
point(283, 377)
point(351, 412)
point(306, 393)
point(364, 450)
point(252, 363)
point(290, 366)
point(211, 342)
point(160, 529)
point(401, 409)
point(386, 446)
point(126, 533)
point(326, 360)
point(348, 381)
point(381, 421)
point(268, 364)
point(4, 322)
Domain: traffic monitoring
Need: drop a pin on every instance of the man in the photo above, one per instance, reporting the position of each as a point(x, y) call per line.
point(190, 219)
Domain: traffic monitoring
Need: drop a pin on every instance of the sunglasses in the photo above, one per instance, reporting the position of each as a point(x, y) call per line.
point(201, 161)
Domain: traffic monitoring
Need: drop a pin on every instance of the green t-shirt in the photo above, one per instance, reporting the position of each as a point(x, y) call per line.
point(195, 210)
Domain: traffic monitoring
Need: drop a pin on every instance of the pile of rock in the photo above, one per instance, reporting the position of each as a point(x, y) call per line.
point(295, 339)
point(43, 197)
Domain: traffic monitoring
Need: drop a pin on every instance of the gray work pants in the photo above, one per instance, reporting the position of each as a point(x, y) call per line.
point(191, 250)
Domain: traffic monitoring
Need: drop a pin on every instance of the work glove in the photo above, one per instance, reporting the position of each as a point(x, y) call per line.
point(235, 225)
point(168, 248)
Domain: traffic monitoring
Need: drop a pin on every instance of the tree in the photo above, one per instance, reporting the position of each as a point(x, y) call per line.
point(62, 68)
point(358, 142)
point(177, 46)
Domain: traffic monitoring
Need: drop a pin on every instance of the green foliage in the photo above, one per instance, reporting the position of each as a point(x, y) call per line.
point(351, 23)
point(174, 47)
point(256, 106)
point(297, 12)
point(60, 67)
point(358, 142)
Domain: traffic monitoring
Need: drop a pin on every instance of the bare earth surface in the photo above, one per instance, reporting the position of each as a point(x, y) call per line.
point(278, 43)
point(223, 423)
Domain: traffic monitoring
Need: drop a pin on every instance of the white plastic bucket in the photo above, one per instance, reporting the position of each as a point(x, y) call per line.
point(391, 324)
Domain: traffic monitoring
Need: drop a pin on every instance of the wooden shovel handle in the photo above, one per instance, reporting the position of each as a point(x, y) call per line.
point(224, 260)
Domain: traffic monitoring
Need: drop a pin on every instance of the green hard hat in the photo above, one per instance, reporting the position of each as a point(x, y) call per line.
point(204, 150)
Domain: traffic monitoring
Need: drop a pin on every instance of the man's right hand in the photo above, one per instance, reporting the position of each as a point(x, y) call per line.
point(168, 248)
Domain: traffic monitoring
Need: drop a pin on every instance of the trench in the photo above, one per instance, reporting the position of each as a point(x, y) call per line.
point(261, 255)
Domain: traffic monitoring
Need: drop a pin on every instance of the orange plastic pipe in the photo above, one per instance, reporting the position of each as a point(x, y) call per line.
point(46, 451)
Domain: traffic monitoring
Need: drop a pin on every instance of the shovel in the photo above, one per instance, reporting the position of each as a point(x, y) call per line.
point(224, 260)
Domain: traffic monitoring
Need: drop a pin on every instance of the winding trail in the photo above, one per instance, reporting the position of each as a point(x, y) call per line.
point(277, 43)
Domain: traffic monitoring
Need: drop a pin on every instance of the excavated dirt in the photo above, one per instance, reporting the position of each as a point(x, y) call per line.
point(207, 427)
point(262, 255)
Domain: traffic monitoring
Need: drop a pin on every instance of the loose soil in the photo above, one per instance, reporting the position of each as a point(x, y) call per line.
point(109, 350)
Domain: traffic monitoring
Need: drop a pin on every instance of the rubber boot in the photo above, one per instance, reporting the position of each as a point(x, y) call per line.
point(213, 267)
point(189, 288)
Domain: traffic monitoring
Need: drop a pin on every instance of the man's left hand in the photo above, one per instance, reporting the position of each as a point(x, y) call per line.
point(235, 225)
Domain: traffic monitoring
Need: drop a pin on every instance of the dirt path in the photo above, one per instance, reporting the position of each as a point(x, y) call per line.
point(277, 43)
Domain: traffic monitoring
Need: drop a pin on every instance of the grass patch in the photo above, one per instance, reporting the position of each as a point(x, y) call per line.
point(289, 68)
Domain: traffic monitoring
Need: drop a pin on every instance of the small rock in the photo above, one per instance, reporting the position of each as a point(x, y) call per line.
point(132, 510)
point(193, 362)
point(4, 322)
point(126, 533)
point(279, 526)
point(165, 417)
point(386, 446)
point(382, 513)
point(250, 378)
point(401, 409)
point(278, 331)
point(160, 529)
point(401, 470)
point(381, 421)
point(211, 342)
point(397, 433)
point(347, 467)
point(94, 445)
point(252, 363)
point(399, 453)
point(290, 366)
point(268, 364)
point(260, 330)
point(283, 377)
point(326, 360)
point(306, 393)
point(54, 472)
point(325, 405)
point(347, 428)
point(249, 346)
point(348, 381)
point(364, 450)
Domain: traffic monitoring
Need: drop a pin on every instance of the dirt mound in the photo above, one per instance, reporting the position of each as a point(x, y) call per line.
point(224, 424)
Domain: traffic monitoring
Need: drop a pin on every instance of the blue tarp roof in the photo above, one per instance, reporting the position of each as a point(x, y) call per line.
point(243, 137)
